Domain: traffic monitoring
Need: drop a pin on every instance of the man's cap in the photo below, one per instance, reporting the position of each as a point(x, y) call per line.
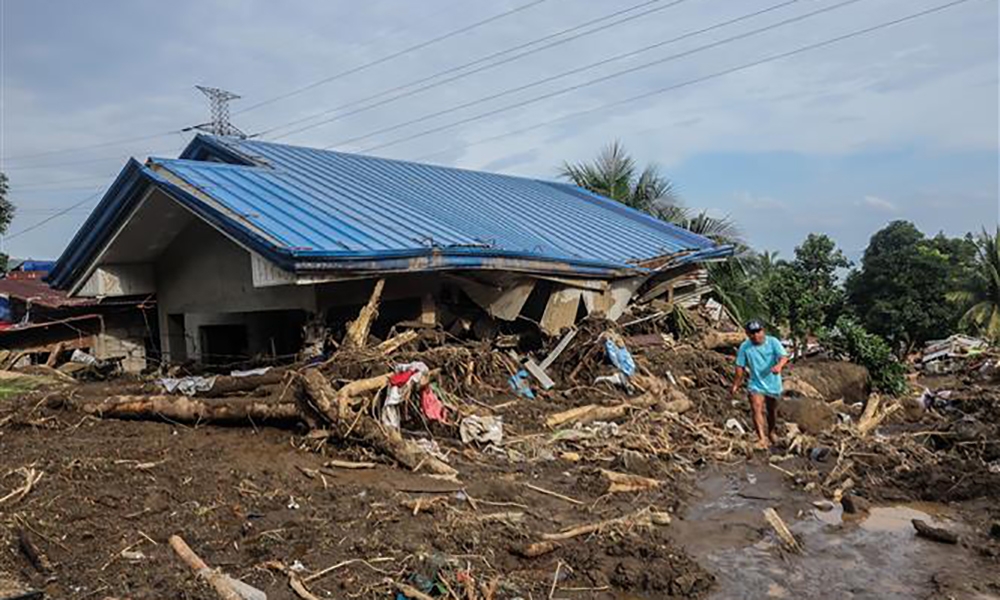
point(753, 326)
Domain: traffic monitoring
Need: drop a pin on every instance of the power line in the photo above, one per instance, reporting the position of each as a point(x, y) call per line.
point(392, 56)
point(473, 63)
point(702, 79)
point(117, 142)
point(53, 217)
point(117, 157)
point(29, 186)
point(586, 83)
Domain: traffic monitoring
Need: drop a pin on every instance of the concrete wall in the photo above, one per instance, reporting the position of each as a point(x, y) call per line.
point(203, 274)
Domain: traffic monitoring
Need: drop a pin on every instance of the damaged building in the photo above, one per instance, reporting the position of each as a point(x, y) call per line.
point(253, 248)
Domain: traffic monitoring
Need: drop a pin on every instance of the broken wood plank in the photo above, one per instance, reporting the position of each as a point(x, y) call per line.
point(53, 359)
point(539, 374)
point(558, 350)
point(359, 328)
point(781, 529)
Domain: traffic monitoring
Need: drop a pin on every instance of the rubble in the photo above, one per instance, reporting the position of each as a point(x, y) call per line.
point(498, 464)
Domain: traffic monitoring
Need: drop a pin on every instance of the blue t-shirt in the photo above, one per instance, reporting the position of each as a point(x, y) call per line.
point(757, 361)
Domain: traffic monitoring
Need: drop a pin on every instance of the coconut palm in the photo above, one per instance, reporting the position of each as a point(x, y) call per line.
point(981, 298)
point(614, 174)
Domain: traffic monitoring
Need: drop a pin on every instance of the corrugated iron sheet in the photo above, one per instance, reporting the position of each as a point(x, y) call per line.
point(319, 203)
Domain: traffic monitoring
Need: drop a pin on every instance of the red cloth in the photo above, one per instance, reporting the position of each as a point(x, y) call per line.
point(401, 378)
point(432, 407)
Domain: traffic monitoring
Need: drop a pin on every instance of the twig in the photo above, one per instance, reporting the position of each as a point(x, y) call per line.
point(553, 494)
point(31, 478)
point(555, 580)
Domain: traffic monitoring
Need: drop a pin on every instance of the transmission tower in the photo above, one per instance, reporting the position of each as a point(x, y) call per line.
point(219, 125)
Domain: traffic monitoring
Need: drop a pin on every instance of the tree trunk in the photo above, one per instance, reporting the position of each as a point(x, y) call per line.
point(186, 409)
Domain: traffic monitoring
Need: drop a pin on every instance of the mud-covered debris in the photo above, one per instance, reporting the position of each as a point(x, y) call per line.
point(853, 504)
point(936, 534)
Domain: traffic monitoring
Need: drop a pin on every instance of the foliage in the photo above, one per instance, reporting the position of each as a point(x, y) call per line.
point(6, 216)
point(887, 375)
point(902, 290)
point(803, 295)
point(614, 174)
point(979, 297)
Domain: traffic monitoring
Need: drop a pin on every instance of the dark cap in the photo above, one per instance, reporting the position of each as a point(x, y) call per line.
point(753, 326)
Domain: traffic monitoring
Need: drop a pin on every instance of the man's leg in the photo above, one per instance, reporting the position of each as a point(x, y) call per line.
point(759, 420)
point(772, 419)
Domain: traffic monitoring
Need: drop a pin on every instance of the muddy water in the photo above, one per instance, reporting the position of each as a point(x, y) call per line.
point(843, 557)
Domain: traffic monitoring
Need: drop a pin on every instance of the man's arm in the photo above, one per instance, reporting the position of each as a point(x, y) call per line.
point(738, 380)
point(782, 358)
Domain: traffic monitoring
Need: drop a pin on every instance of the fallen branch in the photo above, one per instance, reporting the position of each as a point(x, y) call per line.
point(781, 529)
point(396, 342)
point(358, 329)
point(624, 482)
point(411, 592)
point(188, 409)
point(587, 414)
point(335, 407)
point(346, 464)
point(644, 517)
point(31, 478)
point(541, 490)
point(214, 578)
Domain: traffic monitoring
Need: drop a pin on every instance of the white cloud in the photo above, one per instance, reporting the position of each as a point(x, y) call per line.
point(878, 203)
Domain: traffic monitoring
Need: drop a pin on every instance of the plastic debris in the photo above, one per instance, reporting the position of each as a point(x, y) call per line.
point(520, 386)
point(620, 357)
point(734, 425)
point(481, 429)
point(79, 356)
point(187, 386)
point(250, 372)
point(398, 384)
point(433, 407)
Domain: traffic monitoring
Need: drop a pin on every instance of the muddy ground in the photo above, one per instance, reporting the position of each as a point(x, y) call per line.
point(112, 492)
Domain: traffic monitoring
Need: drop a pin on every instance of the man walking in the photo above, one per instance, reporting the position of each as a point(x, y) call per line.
point(760, 361)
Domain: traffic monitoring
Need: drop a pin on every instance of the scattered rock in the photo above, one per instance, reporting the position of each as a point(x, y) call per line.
point(936, 534)
point(811, 415)
point(854, 504)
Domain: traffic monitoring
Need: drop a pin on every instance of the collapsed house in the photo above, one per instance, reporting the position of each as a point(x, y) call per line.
point(255, 248)
point(37, 321)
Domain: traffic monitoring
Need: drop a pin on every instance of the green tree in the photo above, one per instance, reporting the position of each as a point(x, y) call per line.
point(980, 297)
point(6, 216)
point(902, 288)
point(803, 295)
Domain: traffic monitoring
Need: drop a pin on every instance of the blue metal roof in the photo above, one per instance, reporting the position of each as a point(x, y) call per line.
point(310, 209)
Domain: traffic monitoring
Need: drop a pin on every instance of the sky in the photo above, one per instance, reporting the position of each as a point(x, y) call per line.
point(839, 138)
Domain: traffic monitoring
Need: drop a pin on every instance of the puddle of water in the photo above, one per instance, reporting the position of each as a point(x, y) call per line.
point(844, 557)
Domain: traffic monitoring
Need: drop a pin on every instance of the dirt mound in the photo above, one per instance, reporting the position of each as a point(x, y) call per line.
point(833, 379)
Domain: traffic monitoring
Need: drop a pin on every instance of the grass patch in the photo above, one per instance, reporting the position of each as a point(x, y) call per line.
point(11, 388)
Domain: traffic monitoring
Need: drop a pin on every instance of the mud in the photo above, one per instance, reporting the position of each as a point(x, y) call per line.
point(870, 556)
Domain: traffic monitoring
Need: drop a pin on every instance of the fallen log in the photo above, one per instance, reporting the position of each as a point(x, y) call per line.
point(334, 407)
point(187, 409)
point(226, 384)
point(643, 518)
point(719, 340)
point(936, 534)
point(396, 342)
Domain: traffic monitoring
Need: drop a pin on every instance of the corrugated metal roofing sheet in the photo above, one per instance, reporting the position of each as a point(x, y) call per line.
point(320, 202)
point(312, 210)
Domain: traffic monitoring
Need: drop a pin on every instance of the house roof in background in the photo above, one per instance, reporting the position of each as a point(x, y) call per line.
point(313, 210)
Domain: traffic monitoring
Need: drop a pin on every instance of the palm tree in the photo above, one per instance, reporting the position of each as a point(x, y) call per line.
point(982, 295)
point(614, 174)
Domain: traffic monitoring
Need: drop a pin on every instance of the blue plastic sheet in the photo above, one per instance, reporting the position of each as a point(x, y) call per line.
point(620, 357)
